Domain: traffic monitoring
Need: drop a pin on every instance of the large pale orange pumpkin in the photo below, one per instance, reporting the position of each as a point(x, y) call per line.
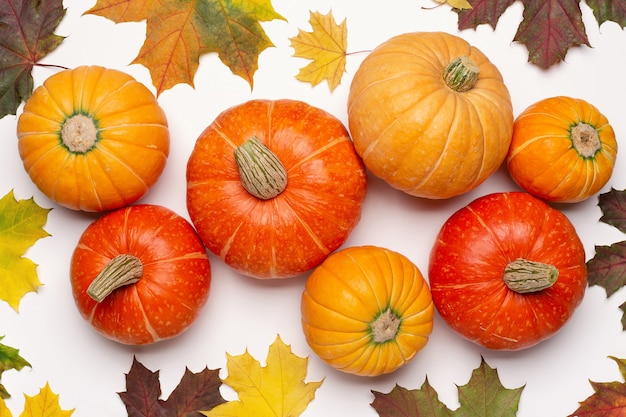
point(563, 149)
point(274, 186)
point(93, 138)
point(430, 114)
point(367, 310)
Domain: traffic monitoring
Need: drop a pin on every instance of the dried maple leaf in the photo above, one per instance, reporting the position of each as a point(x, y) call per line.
point(9, 359)
point(609, 399)
point(26, 36)
point(456, 4)
point(549, 28)
point(325, 46)
point(180, 31)
point(21, 225)
point(44, 404)
point(483, 395)
point(195, 391)
point(276, 390)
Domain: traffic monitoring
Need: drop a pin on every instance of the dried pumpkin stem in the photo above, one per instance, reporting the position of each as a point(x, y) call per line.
point(261, 172)
point(79, 133)
point(461, 74)
point(585, 139)
point(385, 327)
point(122, 270)
point(524, 276)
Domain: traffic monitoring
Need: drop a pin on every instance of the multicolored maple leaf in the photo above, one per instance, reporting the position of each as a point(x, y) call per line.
point(9, 359)
point(609, 398)
point(21, 225)
point(26, 36)
point(549, 28)
point(180, 31)
point(484, 395)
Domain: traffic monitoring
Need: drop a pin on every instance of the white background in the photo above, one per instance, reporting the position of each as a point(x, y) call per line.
point(87, 370)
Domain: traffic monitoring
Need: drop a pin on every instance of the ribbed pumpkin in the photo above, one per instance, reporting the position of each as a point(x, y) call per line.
point(93, 138)
point(563, 149)
point(430, 114)
point(367, 310)
point(274, 186)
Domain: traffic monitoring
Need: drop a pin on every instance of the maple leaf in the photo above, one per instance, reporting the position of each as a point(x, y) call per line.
point(21, 225)
point(9, 359)
point(455, 4)
point(44, 404)
point(483, 395)
point(607, 267)
point(325, 46)
point(178, 32)
point(195, 391)
point(549, 28)
point(276, 390)
point(26, 36)
point(609, 398)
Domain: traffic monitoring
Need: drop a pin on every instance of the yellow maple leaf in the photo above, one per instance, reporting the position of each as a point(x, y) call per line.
point(44, 404)
point(21, 225)
point(325, 46)
point(276, 390)
point(457, 4)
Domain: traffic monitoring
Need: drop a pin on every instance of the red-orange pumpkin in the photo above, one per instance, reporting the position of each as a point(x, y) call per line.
point(274, 186)
point(140, 274)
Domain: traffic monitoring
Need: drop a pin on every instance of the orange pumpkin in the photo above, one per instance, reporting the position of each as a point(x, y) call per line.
point(93, 138)
point(563, 150)
point(274, 186)
point(367, 310)
point(430, 114)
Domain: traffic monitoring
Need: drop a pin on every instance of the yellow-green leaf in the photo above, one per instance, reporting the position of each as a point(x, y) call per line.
point(456, 4)
point(180, 31)
point(9, 359)
point(276, 390)
point(325, 46)
point(21, 225)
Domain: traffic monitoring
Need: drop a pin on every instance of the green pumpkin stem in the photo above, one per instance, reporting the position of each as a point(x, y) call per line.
point(461, 74)
point(524, 276)
point(261, 172)
point(120, 271)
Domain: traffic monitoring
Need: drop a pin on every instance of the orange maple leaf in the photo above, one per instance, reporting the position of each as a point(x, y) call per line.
point(178, 32)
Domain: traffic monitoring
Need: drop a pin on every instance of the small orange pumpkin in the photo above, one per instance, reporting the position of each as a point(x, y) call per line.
point(563, 150)
point(93, 138)
point(430, 114)
point(367, 310)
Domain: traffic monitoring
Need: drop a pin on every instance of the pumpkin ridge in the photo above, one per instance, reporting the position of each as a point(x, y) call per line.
point(94, 112)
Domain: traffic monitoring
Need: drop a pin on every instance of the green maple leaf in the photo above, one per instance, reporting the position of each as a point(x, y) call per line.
point(180, 31)
point(21, 225)
point(483, 395)
point(549, 28)
point(26, 36)
point(609, 398)
point(195, 391)
point(9, 359)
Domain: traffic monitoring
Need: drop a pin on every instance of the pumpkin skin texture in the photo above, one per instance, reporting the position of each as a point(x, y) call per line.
point(475, 271)
point(416, 132)
point(357, 295)
point(563, 150)
point(293, 231)
point(93, 139)
point(169, 293)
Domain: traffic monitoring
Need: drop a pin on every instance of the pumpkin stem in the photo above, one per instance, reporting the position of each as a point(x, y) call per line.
point(585, 139)
point(122, 270)
point(461, 74)
point(79, 133)
point(385, 327)
point(524, 276)
point(262, 174)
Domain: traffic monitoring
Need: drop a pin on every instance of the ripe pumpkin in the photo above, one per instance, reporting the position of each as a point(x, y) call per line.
point(507, 271)
point(430, 114)
point(140, 274)
point(563, 150)
point(93, 138)
point(274, 186)
point(366, 310)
